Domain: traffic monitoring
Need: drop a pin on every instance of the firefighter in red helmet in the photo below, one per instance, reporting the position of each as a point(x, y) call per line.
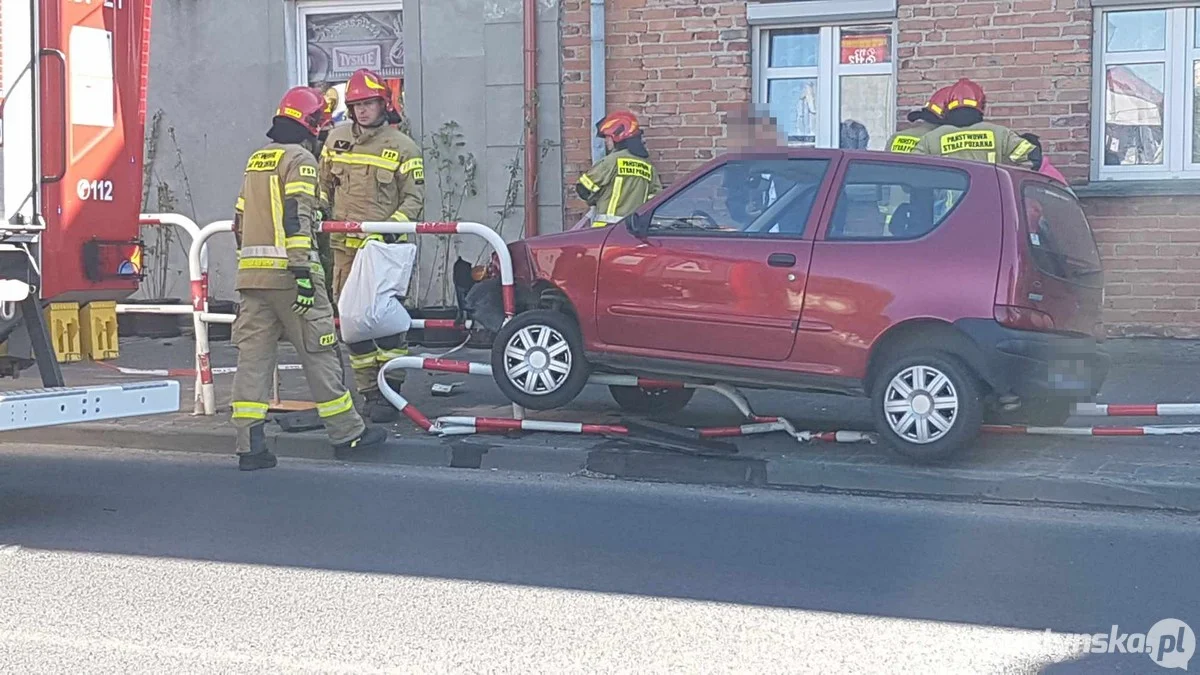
point(623, 180)
point(282, 285)
point(967, 136)
point(925, 120)
point(370, 171)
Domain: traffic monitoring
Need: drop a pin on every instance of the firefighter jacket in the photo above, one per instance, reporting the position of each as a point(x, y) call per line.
point(371, 175)
point(617, 185)
point(981, 142)
point(274, 219)
point(904, 141)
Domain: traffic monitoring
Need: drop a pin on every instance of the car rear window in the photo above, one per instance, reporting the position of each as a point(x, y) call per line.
point(1060, 238)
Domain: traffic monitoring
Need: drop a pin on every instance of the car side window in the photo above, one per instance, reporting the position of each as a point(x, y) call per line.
point(894, 201)
point(745, 198)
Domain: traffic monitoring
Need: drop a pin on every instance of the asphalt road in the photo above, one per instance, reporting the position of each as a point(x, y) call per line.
point(121, 561)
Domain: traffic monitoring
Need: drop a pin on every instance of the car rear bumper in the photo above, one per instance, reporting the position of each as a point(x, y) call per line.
point(1041, 365)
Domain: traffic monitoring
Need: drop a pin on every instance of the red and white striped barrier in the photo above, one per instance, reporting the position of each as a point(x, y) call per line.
point(1137, 410)
point(206, 395)
point(1164, 430)
point(768, 425)
point(206, 403)
point(499, 246)
point(461, 426)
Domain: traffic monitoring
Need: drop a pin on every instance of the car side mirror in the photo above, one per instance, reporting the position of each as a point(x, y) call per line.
point(638, 225)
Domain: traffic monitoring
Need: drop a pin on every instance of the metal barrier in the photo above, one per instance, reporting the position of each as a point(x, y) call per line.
point(197, 271)
point(460, 426)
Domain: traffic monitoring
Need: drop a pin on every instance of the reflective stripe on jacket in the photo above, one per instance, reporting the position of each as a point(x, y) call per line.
point(617, 185)
point(274, 216)
point(371, 175)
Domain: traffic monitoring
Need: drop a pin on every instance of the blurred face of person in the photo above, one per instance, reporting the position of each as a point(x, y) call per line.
point(754, 132)
point(369, 113)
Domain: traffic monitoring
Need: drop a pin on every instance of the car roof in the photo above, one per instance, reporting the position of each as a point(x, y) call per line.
point(777, 152)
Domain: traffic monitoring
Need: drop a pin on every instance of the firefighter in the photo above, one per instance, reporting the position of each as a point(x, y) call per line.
point(925, 120)
point(370, 171)
point(623, 180)
point(282, 286)
point(967, 136)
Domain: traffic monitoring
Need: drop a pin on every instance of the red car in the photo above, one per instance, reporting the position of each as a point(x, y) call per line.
point(949, 292)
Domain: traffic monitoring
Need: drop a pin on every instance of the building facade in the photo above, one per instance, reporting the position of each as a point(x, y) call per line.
point(1110, 87)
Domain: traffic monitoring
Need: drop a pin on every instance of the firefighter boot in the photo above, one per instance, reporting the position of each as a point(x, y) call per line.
point(370, 438)
point(258, 457)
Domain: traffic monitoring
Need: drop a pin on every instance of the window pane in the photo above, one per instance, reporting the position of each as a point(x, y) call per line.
point(894, 200)
point(866, 111)
point(1196, 112)
point(1133, 129)
point(794, 48)
point(865, 45)
point(769, 196)
point(1060, 239)
point(1144, 31)
point(793, 104)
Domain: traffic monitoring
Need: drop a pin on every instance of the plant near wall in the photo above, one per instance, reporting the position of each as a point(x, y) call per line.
point(456, 172)
point(512, 191)
point(157, 251)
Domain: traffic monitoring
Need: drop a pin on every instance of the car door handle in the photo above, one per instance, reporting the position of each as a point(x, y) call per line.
point(781, 260)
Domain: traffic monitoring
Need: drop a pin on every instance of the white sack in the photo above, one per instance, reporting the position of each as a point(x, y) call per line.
point(371, 305)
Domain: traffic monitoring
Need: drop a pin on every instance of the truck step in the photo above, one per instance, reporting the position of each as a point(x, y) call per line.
point(33, 408)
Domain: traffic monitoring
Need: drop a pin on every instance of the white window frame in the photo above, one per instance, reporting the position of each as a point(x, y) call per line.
point(307, 8)
point(828, 73)
point(1177, 58)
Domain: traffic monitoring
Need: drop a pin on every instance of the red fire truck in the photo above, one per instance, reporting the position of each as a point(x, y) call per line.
point(73, 115)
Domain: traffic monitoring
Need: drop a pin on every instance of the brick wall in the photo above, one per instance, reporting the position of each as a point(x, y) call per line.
point(1032, 57)
point(677, 64)
point(1151, 252)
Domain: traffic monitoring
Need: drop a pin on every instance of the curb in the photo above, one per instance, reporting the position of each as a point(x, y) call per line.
point(497, 452)
point(985, 485)
point(605, 459)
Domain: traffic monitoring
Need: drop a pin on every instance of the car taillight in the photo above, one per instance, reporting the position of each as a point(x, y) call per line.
point(1023, 318)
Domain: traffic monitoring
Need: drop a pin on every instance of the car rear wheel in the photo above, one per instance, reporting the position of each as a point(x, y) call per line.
point(651, 401)
point(537, 360)
point(927, 405)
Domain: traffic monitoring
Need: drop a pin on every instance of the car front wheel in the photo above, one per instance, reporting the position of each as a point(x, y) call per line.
point(927, 405)
point(537, 360)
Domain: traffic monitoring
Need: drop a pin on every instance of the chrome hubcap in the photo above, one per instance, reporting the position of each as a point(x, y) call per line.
point(537, 360)
point(921, 404)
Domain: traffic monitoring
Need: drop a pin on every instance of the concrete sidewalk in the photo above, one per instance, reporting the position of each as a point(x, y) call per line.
point(1134, 472)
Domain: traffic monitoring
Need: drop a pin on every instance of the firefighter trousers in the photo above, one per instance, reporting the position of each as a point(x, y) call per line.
point(367, 357)
point(264, 317)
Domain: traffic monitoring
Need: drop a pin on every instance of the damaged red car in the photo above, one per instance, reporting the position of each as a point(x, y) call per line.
point(951, 293)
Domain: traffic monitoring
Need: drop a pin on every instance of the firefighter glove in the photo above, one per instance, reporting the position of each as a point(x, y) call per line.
point(305, 293)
